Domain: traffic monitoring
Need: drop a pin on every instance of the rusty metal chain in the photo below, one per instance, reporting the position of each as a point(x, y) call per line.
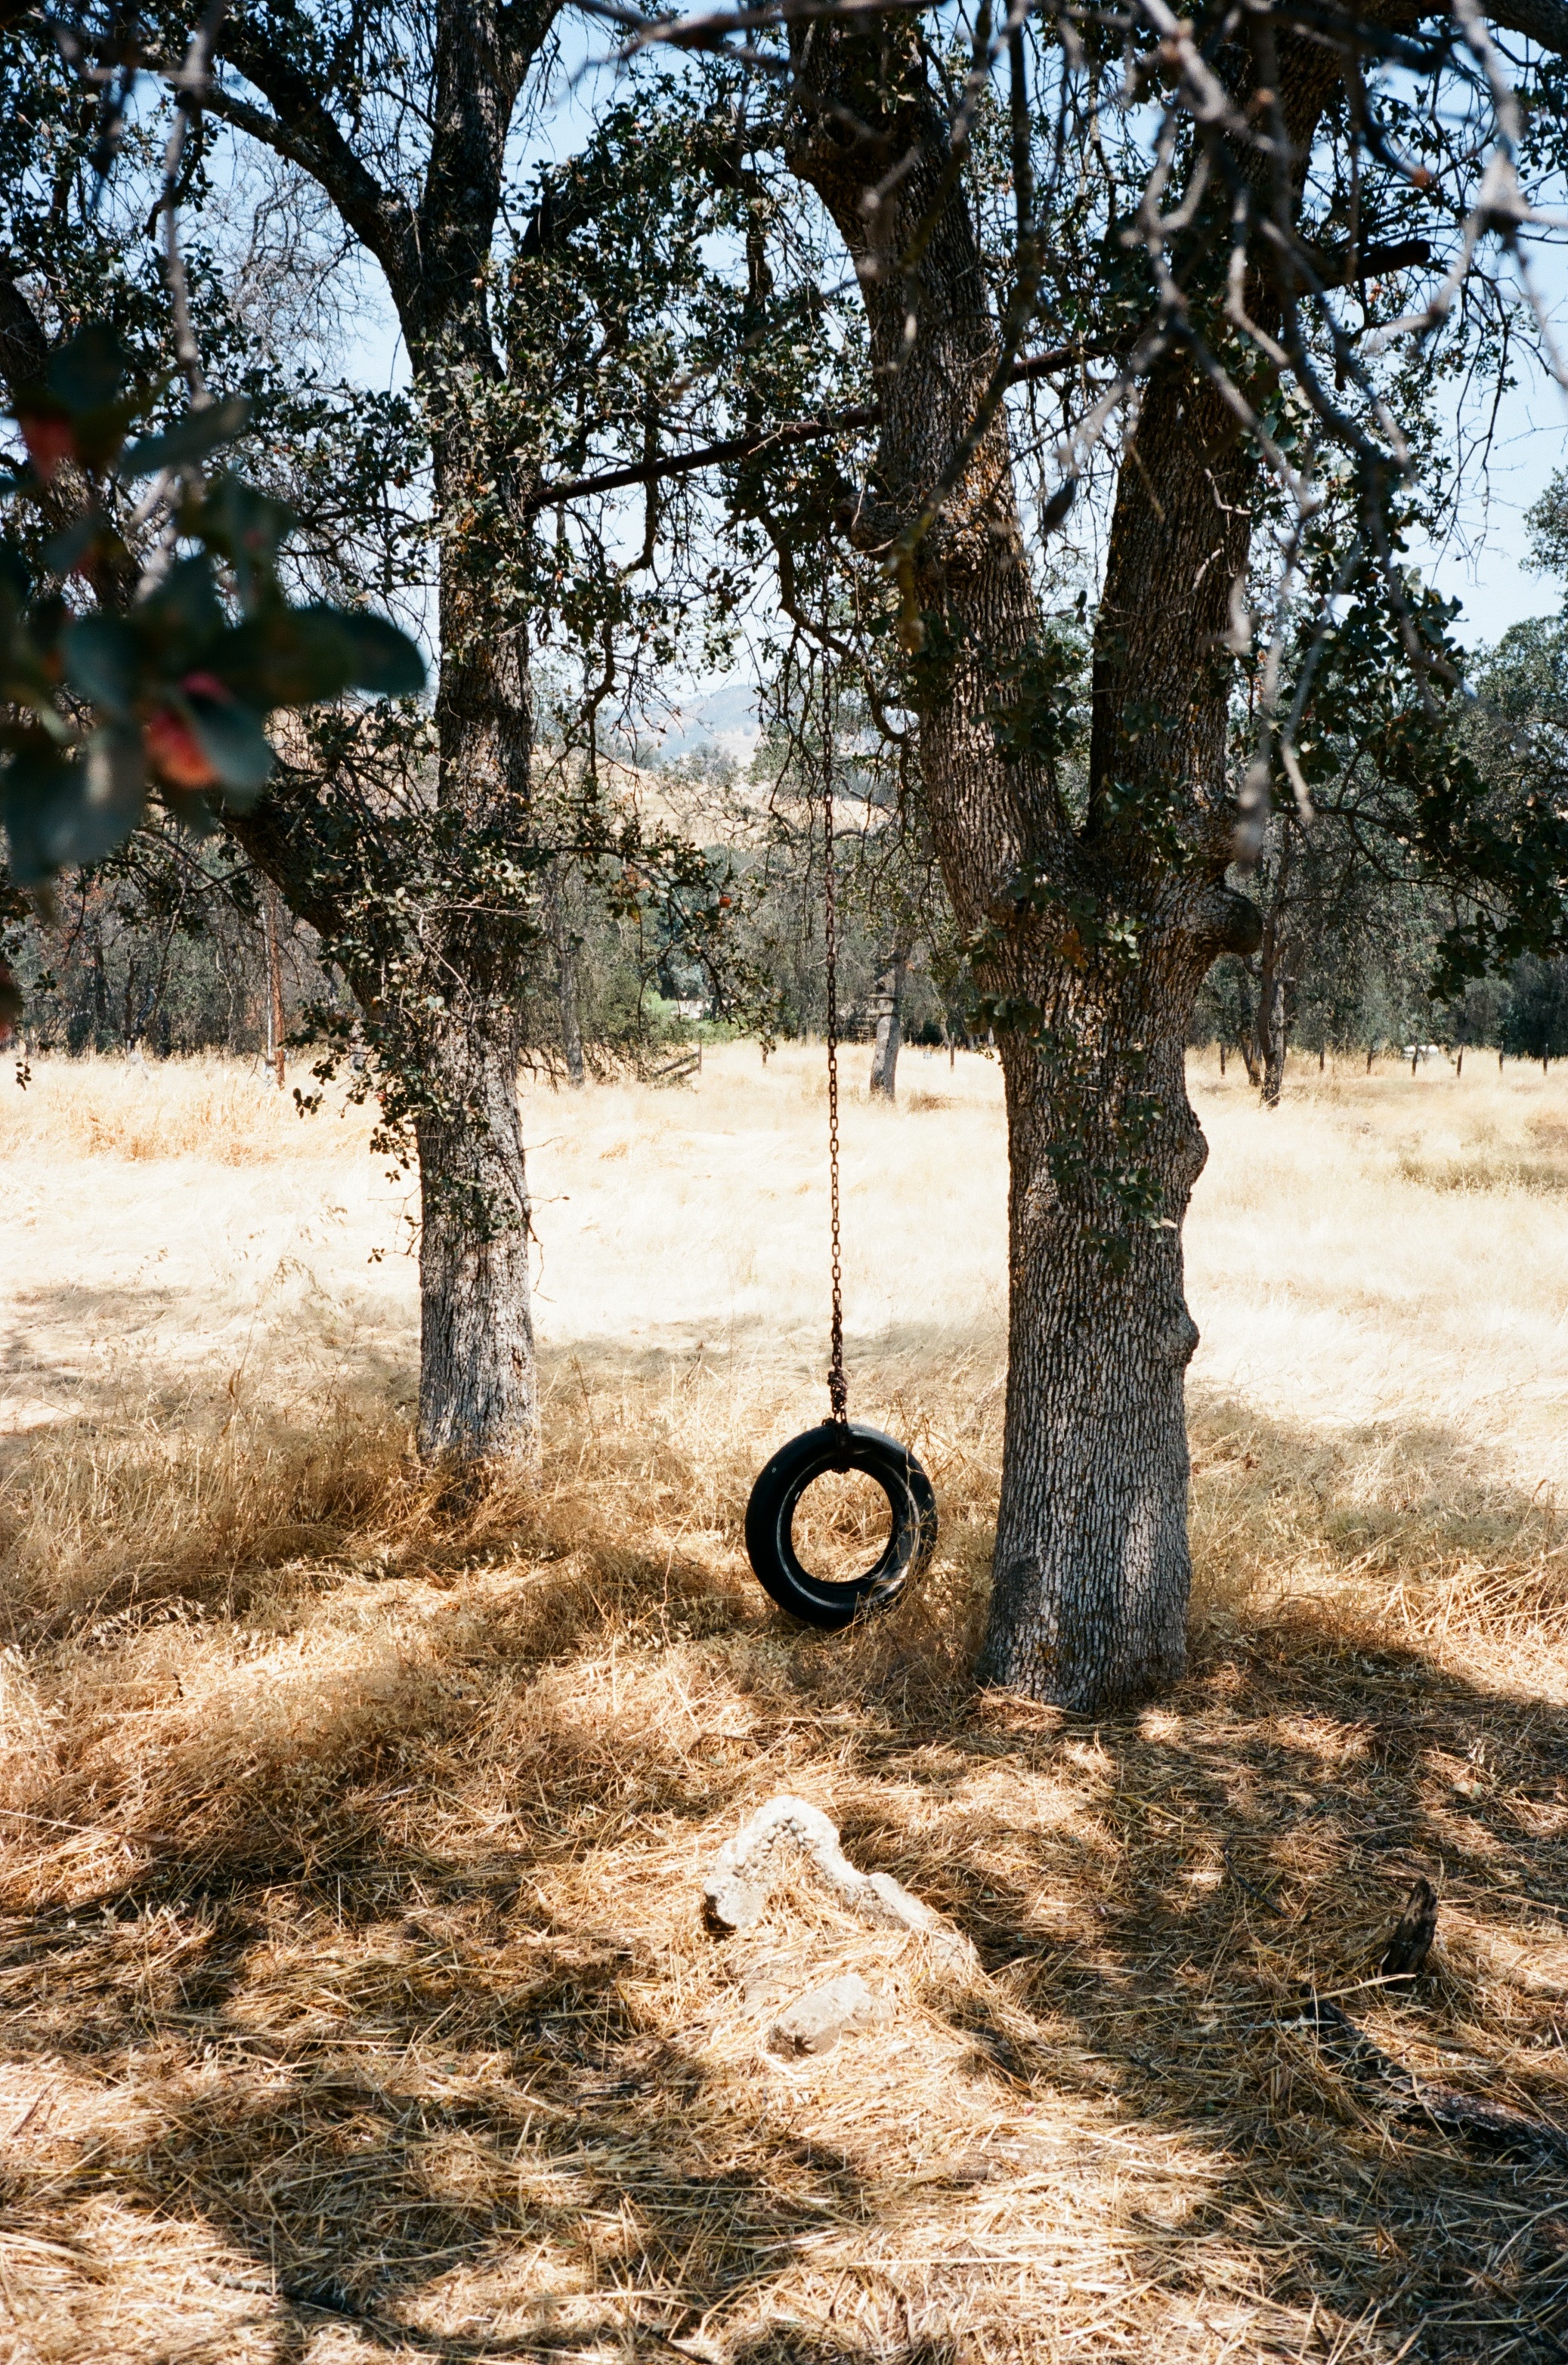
point(837, 1385)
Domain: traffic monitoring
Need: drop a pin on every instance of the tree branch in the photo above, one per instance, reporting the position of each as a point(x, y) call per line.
point(790, 431)
point(1544, 21)
point(300, 128)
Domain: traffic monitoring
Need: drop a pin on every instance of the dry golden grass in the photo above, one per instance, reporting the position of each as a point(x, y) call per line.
point(358, 2000)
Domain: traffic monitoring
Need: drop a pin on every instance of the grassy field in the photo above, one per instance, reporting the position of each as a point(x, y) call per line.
point(357, 2003)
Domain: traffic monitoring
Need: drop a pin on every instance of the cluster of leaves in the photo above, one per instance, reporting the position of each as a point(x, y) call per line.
point(1431, 769)
point(163, 680)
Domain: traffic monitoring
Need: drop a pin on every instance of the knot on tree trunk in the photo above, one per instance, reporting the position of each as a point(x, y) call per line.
point(1227, 922)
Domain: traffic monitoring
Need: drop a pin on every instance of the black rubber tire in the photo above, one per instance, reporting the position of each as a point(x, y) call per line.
point(770, 1521)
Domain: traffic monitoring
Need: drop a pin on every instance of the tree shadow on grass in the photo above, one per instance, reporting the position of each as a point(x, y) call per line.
point(440, 2098)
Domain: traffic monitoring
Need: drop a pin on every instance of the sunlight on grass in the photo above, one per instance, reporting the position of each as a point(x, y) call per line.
point(359, 1998)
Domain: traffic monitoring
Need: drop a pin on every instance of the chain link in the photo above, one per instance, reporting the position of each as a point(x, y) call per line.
point(837, 1385)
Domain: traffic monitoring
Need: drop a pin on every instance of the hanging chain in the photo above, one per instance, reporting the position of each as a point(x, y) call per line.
point(837, 1385)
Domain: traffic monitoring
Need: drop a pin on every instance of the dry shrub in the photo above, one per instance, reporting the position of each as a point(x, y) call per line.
point(200, 1106)
point(103, 1522)
point(1485, 1175)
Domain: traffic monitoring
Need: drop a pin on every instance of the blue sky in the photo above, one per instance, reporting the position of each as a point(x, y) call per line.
point(1482, 562)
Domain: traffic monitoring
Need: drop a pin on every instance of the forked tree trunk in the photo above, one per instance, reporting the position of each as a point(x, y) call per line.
point(479, 1385)
point(1091, 1569)
point(437, 962)
point(889, 1025)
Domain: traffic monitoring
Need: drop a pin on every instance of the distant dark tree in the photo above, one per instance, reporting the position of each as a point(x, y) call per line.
point(1535, 1021)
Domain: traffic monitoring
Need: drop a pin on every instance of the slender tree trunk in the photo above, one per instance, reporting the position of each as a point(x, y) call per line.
point(1459, 1064)
point(274, 982)
point(479, 1387)
point(1222, 1056)
point(1270, 1020)
point(478, 1382)
point(890, 1024)
point(565, 948)
point(1271, 1037)
point(1245, 1043)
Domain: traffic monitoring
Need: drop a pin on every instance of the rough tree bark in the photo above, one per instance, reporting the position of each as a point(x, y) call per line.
point(890, 1024)
point(1089, 945)
point(478, 1375)
point(478, 1390)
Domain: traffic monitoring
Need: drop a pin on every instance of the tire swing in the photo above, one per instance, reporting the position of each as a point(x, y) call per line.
point(840, 1444)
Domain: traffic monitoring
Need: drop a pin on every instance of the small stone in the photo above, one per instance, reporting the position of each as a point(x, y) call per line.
point(815, 2022)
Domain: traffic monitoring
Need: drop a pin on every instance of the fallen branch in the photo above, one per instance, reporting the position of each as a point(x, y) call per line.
point(1355, 2056)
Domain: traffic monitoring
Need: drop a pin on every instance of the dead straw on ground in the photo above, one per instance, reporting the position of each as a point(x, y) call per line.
point(357, 1998)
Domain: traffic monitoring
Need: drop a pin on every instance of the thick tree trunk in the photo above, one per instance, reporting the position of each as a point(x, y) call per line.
point(1091, 1569)
point(478, 1385)
point(1089, 947)
point(889, 1025)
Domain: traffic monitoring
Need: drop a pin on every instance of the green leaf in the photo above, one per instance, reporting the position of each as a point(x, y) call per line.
point(272, 660)
point(293, 656)
point(116, 786)
point(64, 552)
point(88, 370)
point(58, 811)
point(234, 744)
point(102, 662)
point(247, 526)
point(377, 656)
point(190, 438)
point(190, 810)
point(15, 577)
point(184, 611)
